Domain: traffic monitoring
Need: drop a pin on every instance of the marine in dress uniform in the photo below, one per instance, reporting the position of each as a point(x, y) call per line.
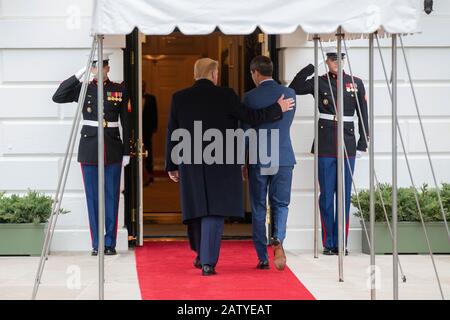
point(327, 140)
point(116, 151)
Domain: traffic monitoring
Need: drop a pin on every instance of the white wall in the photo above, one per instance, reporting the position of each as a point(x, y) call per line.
point(42, 42)
point(428, 56)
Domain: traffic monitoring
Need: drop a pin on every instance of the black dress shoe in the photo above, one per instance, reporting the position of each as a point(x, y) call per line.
point(263, 265)
point(328, 251)
point(208, 270)
point(275, 242)
point(197, 262)
point(110, 251)
point(336, 251)
point(94, 252)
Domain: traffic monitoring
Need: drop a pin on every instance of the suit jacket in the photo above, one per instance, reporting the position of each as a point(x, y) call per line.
point(210, 189)
point(115, 107)
point(328, 128)
point(268, 92)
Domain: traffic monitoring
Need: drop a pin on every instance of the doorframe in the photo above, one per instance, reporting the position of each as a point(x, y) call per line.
point(132, 76)
point(133, 172)
point(128, 172)
point(274, 55)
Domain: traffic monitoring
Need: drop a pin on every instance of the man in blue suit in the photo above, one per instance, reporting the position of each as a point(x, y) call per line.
point(270, 178)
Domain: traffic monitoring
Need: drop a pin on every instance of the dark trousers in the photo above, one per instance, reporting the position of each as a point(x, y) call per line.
point(278, 186)
point(112, 193)
point(328, 199)
point(205, 235)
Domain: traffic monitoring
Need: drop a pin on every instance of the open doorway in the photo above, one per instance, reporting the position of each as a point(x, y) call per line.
point(167, 64)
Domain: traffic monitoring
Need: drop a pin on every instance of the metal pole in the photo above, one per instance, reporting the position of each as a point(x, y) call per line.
point(394, 167)
point(365, 137)
point(388, 223)
point(372, 170)
point(374, 173)
point(101, 172)
point(377, 183)
point(316, 146)
point(78, 118)
point(358, 200)
point(340, 157)
point(416, 196)
point(424, 138)
point(63, 177)
point(56, 205)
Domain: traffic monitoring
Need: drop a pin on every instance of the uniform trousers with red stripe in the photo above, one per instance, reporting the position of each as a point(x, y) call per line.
point(112, 193)
point(328, 199)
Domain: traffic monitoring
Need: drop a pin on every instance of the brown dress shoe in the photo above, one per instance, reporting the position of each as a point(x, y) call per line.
point(280, 258)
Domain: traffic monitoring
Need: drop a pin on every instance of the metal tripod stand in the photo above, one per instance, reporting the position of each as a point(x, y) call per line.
point(97, 41)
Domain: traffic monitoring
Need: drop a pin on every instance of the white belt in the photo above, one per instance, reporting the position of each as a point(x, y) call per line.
point(106, 124)
point(333, 117)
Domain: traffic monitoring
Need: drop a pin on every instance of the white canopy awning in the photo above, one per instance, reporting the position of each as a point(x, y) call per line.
point(196, 17)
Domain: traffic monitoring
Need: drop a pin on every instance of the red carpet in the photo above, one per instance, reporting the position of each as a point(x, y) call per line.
point(165, 272)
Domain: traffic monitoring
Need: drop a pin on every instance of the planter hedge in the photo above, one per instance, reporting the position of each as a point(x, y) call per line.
point(23, 223)
point(411, 238)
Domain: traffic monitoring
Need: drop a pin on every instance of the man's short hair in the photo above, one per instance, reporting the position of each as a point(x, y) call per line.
point(263, 65)
point(203, 68)
point(105, 63)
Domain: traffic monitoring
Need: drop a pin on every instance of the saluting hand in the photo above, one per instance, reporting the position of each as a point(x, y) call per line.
point(286, 104)
point(174, 175)
point(80, 73)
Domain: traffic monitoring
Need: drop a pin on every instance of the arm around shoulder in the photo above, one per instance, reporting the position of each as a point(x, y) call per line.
point(254, 117)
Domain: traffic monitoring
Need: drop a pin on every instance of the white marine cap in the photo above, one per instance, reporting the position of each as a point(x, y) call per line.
point(106, 57)
point(331, 52)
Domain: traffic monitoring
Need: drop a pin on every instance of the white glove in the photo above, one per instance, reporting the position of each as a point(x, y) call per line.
point(125, 161)
point(80, 73)
point(359, 154)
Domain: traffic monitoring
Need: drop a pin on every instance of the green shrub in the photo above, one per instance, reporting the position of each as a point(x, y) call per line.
point(33, 207)
point(406, 203)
